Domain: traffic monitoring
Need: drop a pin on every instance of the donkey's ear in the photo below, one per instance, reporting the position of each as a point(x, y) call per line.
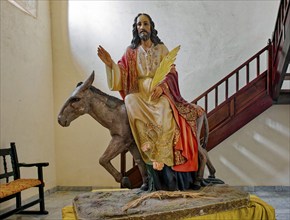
point(89, 81)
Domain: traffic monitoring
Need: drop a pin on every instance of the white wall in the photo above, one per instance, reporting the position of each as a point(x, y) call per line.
point(27, 88)
point(258, 154)
point(215, 37)
point(79, 146)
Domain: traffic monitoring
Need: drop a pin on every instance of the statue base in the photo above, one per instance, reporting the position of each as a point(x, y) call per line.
point(136, 204)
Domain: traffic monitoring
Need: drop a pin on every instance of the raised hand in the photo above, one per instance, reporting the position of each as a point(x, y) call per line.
point(105, 56)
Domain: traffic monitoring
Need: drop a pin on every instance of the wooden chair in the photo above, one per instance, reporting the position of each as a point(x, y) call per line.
point(13, 183)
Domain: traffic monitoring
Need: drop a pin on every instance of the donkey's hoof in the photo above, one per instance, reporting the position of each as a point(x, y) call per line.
point(144, 187)
point(204, 182)
point(126, 183)
point(196, 186)
point(214, 180)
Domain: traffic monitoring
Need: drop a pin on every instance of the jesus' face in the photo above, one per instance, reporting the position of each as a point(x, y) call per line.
point(143, 27)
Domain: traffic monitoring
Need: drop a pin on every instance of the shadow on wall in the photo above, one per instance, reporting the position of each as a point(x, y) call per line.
point(259, 153)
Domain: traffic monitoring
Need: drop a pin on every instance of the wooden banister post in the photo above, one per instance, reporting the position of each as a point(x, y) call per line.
point(270, 69)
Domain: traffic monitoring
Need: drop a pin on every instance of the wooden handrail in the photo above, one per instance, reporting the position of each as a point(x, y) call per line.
point(280, 42)
point(280, 25)
point(273, 53)
point(225, 80)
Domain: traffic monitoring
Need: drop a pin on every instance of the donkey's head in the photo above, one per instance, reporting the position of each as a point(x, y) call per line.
point(77, 104)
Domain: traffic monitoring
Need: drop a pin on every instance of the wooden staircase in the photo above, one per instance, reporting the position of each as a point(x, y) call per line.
point(246, 92)
point(250, 97)
point(281, 54)
point(284, 95)
point(245, 95)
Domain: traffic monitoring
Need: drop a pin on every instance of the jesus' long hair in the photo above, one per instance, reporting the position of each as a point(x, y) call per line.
point(136, 39)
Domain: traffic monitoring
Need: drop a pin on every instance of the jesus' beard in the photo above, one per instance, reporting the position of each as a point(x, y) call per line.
point(144, 35)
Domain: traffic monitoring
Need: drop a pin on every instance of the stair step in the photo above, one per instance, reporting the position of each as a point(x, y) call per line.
point(285, 91)
point(287, 76)
point(284, 97)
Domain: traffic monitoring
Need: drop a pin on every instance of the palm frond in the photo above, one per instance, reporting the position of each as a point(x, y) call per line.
point(164, 67)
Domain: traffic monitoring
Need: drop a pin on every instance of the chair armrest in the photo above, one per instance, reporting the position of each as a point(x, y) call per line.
point(33, 164)
point(39, 168)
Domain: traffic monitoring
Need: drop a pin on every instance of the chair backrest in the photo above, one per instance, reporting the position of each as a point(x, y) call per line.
point(9, 160)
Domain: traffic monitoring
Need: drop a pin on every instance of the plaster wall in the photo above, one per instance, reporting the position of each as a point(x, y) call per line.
point(258, 154)
point(27, 88)
point(215, 38)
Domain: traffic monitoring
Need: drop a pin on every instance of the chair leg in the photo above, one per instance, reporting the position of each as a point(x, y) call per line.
point(41, 197)
point(18, 200)
point(39, 201)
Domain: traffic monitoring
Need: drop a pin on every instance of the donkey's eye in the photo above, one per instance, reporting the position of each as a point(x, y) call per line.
point(75, 99)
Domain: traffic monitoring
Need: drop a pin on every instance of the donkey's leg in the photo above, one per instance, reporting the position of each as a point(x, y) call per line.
point(211, 178)
point(201, 154)
point(210, 167)
point(115, 147)
point(204, 157)
point(199, 123)
point(201, 166)
point(141, 165)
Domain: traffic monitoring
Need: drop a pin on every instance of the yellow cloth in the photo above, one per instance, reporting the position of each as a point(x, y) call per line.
point(256, 210)
point(68, 213)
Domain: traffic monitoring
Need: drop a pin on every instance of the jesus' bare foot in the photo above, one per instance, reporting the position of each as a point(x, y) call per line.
point(158, 165)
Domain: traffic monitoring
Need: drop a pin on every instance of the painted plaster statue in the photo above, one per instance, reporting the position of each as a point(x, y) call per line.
point(163, 124)
point(111, 113)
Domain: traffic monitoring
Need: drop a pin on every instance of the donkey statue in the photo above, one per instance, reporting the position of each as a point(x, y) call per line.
point(110, 112)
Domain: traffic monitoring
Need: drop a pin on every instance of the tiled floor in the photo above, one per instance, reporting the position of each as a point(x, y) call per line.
point(53, 204)
point(280, 200)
